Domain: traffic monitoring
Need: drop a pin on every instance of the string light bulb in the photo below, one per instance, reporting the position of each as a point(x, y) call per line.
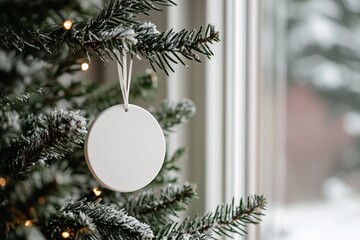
point(28, 223)
point(84, 66)
point(2, 182)
point(65, 234)
point(97, 191)
point(42, 200)
point(32, 210)
point(67, 24)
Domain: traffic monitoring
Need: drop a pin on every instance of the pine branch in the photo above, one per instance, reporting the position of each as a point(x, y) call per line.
point(7, 101)
point(166, 174)
point(170, 115)
point(114, 30)
point(161, 49)
point(32, 14)
point(51, 137)
point(22, 75)
point(35, 196)
point(89, 220)
point(157, 211)
point(9, 127)
point(128, 9)
point(164, 49)
point(19, 39)
point(226, 219)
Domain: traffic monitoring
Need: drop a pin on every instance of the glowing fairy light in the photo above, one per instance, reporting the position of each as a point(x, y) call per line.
point(85, 66)
point(2, 182)
point(28, 223)
point(67, 24)
point(97, 191)
point(65, 234)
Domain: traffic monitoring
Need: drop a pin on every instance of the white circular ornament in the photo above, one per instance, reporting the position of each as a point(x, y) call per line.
point(125, 150)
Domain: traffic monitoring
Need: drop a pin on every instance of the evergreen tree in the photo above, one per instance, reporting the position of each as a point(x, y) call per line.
point(46, 189)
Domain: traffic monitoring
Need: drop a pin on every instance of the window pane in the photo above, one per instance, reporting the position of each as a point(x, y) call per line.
point(321, 182)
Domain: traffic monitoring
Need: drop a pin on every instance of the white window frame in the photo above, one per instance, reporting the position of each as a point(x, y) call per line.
point(226, 137)
point(242, 105)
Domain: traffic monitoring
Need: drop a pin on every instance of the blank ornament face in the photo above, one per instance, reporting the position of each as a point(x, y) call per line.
point(125, 150)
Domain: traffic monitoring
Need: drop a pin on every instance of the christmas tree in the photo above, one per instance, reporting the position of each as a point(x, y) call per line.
point(46, 188)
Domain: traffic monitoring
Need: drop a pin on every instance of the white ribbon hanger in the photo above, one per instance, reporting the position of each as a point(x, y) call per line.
point(124, 77)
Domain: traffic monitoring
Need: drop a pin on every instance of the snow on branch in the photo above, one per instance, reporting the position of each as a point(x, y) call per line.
point(51, 136)
point(228, 218)
point(92, 220)
point(115, 29)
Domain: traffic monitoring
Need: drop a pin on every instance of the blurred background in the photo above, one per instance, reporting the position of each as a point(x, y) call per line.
point(321, 167)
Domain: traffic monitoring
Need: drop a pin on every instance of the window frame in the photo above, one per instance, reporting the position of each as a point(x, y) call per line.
point(231, 145)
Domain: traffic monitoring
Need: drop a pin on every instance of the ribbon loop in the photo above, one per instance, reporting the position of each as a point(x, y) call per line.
point(124, 77)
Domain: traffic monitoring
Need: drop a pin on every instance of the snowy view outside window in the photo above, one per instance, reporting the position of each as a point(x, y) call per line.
point(322, 180)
